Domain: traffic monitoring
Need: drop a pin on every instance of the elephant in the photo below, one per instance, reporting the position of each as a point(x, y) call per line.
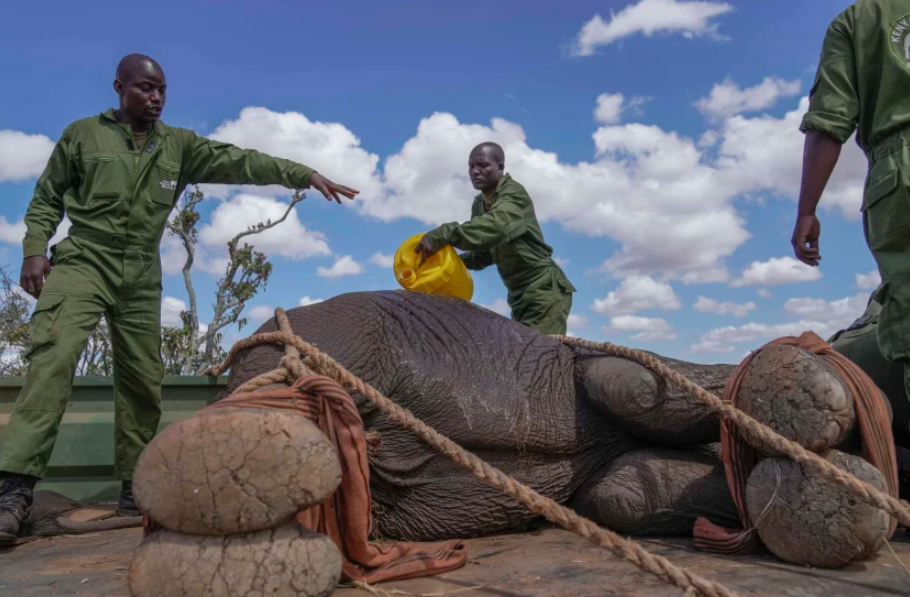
point(600, 434)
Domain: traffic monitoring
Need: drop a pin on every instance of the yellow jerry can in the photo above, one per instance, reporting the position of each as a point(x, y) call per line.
point(442, 273)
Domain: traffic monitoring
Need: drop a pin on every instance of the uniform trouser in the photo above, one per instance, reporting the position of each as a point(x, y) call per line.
point(543, 305)
point(87, 281)
point(886, 222)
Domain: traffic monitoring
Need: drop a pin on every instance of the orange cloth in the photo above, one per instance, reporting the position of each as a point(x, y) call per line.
point(345, 516)
point(740, 458)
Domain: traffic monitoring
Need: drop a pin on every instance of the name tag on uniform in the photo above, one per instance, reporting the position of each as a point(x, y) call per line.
point(169, 185)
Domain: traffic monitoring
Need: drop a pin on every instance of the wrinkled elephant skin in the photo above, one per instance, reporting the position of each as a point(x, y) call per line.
point(599, 433)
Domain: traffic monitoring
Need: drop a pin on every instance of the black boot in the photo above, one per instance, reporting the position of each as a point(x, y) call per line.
point(127, 505)
point(16, 494)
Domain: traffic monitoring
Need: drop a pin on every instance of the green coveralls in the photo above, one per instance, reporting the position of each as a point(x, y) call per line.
point(863, 85)
point(508, 234)
point(859, 343)
point(118, 199)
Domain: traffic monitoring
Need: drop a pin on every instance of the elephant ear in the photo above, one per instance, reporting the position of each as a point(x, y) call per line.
point(634, 398)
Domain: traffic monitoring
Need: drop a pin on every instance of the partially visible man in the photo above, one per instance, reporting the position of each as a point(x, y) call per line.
point(117, 175)
point(862, 85)
point(504, 230)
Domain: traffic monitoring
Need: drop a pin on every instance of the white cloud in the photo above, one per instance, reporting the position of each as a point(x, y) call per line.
point(816, 315)
point(23, 156)
point(728, 99)
point(707, 305)
point(765, 293)
point(655, 193)
point(383, 260)
point(32, 301)
point(691, 19)
point(777, 271)
point(307, 301)
point(638, 293)
point(840, 312)
point(868, 281)
point(261, 313)
point(609, 108)
point(561, 262)
point(651, 329)
point(343, 266)
point(576, 321)
point(170, 311)
point(500, 306)
point(764, 155)
point(327, 147)
point(11, 233)
point(289, 239)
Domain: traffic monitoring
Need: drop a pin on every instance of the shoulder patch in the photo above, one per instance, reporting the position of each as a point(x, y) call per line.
point(899, 39)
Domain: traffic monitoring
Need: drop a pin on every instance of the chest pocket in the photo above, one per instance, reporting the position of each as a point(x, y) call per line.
point(163, 182)
point(101, 180)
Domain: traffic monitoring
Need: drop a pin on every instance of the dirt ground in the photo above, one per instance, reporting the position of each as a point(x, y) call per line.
point(548, 563)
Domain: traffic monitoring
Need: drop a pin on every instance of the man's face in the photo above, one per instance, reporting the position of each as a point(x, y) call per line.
point(143, 93)
point(484, 169)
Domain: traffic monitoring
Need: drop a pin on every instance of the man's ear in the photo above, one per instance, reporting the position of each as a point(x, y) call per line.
point(118, 87)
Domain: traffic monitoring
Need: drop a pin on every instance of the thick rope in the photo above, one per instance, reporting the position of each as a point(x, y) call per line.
point(755, 431)
point(691, 583)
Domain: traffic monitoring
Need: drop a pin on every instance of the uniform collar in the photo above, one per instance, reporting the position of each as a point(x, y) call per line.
point(499, 185)
point(109, 115)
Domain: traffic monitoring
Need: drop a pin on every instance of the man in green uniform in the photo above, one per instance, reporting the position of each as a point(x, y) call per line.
point(117, 175)
point(862, 85)
point(504, 230)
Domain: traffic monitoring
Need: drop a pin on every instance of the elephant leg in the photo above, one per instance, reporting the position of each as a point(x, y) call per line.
point(639, 401)
point(657, 491)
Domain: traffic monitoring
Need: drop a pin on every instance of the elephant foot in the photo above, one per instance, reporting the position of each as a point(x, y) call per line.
point(657, 491)
point(288, 561)
point(800, 396)
point(235, 470)
point(808, 520)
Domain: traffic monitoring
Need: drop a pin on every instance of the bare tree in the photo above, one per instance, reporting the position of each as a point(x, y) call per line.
point(98, 357)
point(14, 315)
point(192, 349)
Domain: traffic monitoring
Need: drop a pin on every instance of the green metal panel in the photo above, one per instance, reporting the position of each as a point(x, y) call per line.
point(82, 465)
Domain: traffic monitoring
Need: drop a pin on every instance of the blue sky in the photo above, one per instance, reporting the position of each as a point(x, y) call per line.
point(679, 191)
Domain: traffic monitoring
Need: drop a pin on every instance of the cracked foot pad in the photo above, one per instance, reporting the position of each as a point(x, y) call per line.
point(810, 520)
point(235, 470)
point(800, 396)
point(289, 561)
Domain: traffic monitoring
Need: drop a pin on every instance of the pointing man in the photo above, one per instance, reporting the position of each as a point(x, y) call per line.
point(117, 175)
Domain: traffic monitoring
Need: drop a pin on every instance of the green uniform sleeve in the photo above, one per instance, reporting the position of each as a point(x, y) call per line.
point(505, 222)
point(477, 260)
point(208, 161)
point(45, 212)
point(833, 100)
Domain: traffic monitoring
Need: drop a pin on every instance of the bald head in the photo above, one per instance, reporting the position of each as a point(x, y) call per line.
point(486, 166)
point(142, 88)
point(133, 65)
point(494, 150)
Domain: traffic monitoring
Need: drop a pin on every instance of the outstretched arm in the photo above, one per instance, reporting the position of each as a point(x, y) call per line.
point(506, 221)
point(208, 161)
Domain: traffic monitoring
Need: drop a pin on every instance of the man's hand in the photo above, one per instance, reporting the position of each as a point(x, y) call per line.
point(330, 189)
point(805, 239)
point(424, 248)
point(34, 270)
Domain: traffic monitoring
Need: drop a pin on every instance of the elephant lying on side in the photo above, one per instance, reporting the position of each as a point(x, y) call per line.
point(599, 433)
